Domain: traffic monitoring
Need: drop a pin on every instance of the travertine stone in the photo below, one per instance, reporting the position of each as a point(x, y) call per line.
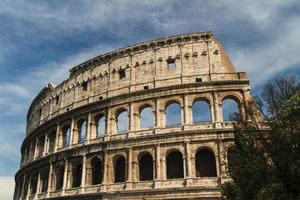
point(98, 87)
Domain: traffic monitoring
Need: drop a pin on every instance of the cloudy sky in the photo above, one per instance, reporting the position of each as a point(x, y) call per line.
point(41, 40)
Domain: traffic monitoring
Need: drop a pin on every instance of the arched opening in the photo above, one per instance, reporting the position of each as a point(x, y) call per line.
point(66, 135)
point(96, 165)
point(51, 139)
point(146, 167)
point(33, 183)
point(101, 125)
point(82, 130)
point(44, 179)
point(147, 117)
point(205, 163)
point(173, 114)
point(41, 143)
point(201, 112)
point(59, 177)
point(230, 110)
point(76, 174)
point(174, 165)
point(120, 169)
point(122, 122)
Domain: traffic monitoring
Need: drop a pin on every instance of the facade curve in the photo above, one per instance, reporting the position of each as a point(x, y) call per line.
point(130, 124)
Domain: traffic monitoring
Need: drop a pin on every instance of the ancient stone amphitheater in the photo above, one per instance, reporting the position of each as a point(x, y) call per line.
point(142, 122)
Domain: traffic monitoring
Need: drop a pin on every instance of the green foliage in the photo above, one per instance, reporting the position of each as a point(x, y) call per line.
point(264, 163)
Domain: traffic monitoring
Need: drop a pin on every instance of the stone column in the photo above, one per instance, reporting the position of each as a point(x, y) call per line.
point(157, 166)
point(45, 151)
point(187, 113)
point(157, 114)
point(23, 186)
point(131, 117)
point(66, 170)
point(89, 128)
point(212, 112)
point(188, 177)
point(36, 149)
point(57, 138)
point(83, 177)
point(129, 169)
point(109, 124)
point(106, 171)
point(72, 132)
point(38, 184)
point(50, 179)
point(217, 111)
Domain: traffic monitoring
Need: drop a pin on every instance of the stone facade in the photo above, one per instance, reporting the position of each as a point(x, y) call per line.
point(74, 148)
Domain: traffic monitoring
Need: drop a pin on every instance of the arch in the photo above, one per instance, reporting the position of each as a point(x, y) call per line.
point(51, 139)
point(59, 177)
point(76, 174)
point(120, 169)
point(205, 163)
point(97, 172)
point(44, 179)
point(174, 165)
point(33, 183)
point(146, 117)
point(66, 135)
point(122, 121)
point(146, 166)
point(100, 121)
point(201, 111)
point(173, 113)
point(230, 108)
point(82, 130)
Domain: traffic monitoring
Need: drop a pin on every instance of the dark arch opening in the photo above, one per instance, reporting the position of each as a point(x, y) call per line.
point(205, 163)
point(59, 177)
point(100, 125)
point(174, 165)
point(97, 175)
point(146, 167)
point(76, 174)
point(66, 135)
point(120, 169)
point(122, 121)
point(82, 130)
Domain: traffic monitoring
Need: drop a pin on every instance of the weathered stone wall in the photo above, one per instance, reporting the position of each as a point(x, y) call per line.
point(203, 72)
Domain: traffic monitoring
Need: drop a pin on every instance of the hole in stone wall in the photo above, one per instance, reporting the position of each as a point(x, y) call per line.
point(171, 64)
point(146, 87)
point(84, 86)
point(122, 73)
point(198, 80)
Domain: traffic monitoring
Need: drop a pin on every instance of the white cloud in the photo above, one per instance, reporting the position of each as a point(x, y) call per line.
point(7, 185)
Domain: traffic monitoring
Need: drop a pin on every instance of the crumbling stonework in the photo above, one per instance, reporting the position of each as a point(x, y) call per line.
point(74, 148)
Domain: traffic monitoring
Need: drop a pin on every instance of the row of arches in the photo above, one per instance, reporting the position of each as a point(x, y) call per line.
point(173, 114)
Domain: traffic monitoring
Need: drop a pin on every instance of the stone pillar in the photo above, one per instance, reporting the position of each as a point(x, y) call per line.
point(83, 177)
point(129, 169)
point(36, 149)
point(50, 180)
point(212, 112)
point(188, 163)
point(66, 170)
point(57, 138)
point(217, 110)
point(157, 114)
point(38, 184)
point(186, 110)
point(89, 128)
point(157, 166)
point(45, 151)
point(106, 171)
point(72, 132)
point(131, 117)
point(23, 186)
point(109, 124)
point(28, 187)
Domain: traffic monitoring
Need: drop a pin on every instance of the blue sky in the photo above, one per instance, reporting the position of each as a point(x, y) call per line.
point(41, 40)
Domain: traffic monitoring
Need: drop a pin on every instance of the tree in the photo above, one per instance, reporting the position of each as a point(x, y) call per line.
point(264, 163)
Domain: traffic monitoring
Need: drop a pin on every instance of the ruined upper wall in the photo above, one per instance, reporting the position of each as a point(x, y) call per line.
point(198, 57)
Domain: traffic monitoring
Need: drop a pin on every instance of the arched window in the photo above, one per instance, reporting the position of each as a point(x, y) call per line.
point(59, 177)
point(41, 143)
point(174, 165)
point(146, 167)
point(82, 130)
point(201, 112)
point(205, 163)
point(147, 117)
point(66, 135)
point(96, 165)
point(33, 183)
point(76, 174)
point(230, 109)
point(173, 114)
point(44, 179)
point(51, 139)
point(120, 169)
point(122, 122)
point(101, 128)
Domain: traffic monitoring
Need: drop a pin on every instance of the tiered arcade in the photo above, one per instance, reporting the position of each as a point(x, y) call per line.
point(142, 122)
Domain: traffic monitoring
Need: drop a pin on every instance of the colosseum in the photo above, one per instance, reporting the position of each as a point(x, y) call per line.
point(147, 121)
